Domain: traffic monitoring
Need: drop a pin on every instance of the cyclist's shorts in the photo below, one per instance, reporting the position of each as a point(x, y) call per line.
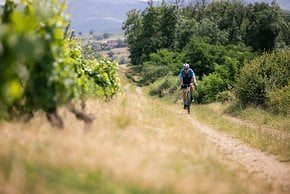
point(184, 86)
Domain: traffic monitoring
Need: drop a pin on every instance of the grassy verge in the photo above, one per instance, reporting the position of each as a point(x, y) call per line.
point(261, 117)
point(265, 140)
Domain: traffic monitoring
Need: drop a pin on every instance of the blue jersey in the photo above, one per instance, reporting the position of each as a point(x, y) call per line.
point(186, 76)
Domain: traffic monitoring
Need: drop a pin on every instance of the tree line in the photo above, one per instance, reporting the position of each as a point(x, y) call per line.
point(217, 39)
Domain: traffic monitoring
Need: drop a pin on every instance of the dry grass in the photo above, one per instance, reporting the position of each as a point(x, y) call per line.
point(133, 141)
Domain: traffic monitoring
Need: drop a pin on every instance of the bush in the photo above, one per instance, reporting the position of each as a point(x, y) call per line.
point(278, 101)
point(152, 73)
point(250, 87)
point(164, 87)
point(225, 96)
point(204, 57)
point(164, 57)
point(209, 88)
point(261, 79)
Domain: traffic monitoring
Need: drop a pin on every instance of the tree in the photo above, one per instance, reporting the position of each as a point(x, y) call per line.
point(228, 16)
point(151, 35)
point(265, 24)
point(106, 35)
point(201, 56)
point(185, 28)
point(168, 26)
point(210, 31)
point(133, 28)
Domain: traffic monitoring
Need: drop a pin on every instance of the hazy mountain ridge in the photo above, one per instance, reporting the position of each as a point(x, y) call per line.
point(100, 15)
point(108, 15)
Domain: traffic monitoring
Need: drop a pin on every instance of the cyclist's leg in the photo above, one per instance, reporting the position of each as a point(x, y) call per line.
point(183, 95)
point(191, 92)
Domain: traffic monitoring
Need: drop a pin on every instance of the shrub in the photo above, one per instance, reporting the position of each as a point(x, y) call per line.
point(225, 96)
point(164, 87)
point(278, 101)
point(203, 57)
point(208, 89)
point(164, 57)
point(250, 87)
point(262, 79)
point(152, 73)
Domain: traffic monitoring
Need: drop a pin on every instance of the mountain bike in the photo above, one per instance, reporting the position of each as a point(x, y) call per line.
point(188, 98)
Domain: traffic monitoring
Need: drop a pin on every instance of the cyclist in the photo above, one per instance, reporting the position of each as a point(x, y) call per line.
point(187, 77)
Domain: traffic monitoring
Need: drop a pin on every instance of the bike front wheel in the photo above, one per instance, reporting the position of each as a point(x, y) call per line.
point(188, 102)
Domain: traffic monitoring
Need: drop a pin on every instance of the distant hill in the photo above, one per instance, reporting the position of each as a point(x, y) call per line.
point(108, 15)
point(101, 15)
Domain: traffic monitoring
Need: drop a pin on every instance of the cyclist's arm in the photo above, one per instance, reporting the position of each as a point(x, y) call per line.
point(191, 80)
point(181, 81)
point(194, 81)
point(181, 78)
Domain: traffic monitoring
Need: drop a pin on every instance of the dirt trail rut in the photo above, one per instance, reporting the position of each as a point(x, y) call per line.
point(253, 160)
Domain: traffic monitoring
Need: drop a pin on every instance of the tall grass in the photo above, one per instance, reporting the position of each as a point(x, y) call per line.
point(261, 117)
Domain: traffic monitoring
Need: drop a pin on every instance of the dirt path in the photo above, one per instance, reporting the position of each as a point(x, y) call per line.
point(254, 160)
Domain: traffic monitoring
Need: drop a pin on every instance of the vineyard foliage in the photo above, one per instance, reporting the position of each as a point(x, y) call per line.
point(40, 66)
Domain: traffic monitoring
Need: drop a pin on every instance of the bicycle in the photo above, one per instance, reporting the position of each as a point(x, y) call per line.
point(188, 97)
